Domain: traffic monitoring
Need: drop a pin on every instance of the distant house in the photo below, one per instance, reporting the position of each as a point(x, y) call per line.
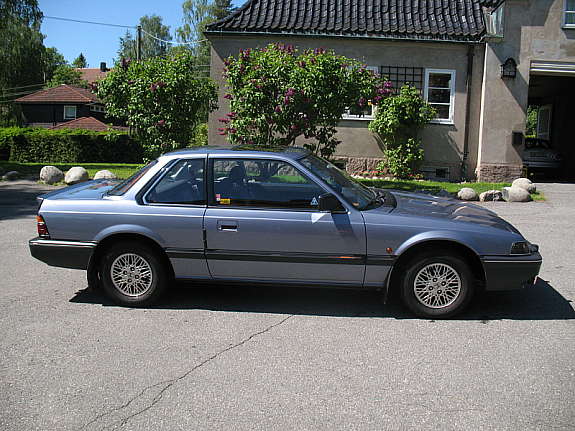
point(59, 105)
point(480, 63)
point(88, 123)
point(92, 75)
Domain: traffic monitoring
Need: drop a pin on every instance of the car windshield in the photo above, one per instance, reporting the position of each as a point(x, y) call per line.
point(126, 185)
point(354, 193)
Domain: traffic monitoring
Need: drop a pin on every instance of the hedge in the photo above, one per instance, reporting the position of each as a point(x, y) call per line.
point(69, 146)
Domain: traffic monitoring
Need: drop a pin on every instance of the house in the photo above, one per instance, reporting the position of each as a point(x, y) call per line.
point(58, 105)
point(480, 63)
point(92, 75)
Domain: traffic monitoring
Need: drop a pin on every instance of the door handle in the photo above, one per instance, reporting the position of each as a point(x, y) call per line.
point(228, 225)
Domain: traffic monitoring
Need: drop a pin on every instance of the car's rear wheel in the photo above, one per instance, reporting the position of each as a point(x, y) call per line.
point(438, 285)
point(132, 274)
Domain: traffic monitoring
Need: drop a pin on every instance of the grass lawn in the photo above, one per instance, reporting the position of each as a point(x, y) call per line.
point(122, 170)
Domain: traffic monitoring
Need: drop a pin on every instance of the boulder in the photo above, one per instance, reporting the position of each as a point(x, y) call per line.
point(105, 175)
point(524, 183)
point(75, 175)
point(51, 175)
point(11, 176)
point(491, 195)
point(516, 194)
point(467, 194)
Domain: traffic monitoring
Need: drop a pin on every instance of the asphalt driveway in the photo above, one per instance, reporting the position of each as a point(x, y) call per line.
point(259, 358)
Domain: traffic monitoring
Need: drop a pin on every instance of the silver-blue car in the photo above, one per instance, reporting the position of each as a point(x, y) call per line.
point(276, 217)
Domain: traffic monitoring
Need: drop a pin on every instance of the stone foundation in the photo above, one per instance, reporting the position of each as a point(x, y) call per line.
point(359, 165)
point(498, 173)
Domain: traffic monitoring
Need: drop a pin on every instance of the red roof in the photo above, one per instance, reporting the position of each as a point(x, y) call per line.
point(88, 123)
point(61, 94)
point(92, 75)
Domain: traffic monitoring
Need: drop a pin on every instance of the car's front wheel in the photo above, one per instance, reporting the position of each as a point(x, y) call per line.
point(132, 274)
point(437, 285)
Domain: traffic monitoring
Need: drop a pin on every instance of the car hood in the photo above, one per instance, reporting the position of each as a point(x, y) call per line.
point(94, 189)
point(426, 206)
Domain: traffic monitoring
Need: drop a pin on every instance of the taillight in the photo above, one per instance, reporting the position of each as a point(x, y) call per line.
point(42, 228)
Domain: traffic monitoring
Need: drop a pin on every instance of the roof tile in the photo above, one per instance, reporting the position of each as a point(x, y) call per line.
point(60, 94)
point(451, 20)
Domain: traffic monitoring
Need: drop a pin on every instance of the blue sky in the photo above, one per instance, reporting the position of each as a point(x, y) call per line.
point(100, 43)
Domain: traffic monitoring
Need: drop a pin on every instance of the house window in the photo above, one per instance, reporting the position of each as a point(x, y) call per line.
point(69, 112)
point(365, 113)
point(569, 18)
point(440, 93)
point(97, 108)
point(494, 21)
point(399, 76)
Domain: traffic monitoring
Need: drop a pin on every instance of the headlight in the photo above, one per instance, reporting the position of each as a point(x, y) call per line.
point(523, 247)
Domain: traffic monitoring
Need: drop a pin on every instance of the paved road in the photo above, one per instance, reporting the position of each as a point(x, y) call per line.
point(249, 358)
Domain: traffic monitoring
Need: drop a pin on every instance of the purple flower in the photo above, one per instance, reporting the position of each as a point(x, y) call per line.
point(161, 84)
point(232, 130)
point(294, 127)
point(388, 84)
point(228, 96)
point(153, 87)
point(362, 101)
point(286, 100)
point(377, 99)
point(250, 142)
point(278, 109)
point(301, 64)
point(232, 115)
point(223, 120)
point(290, 92)
point(161, 123)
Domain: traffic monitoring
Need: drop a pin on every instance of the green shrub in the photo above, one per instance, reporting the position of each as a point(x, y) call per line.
point(70, 146)
point(397, 123)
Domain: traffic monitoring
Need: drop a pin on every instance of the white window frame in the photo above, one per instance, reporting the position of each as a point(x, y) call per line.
point(565, 14)
point(67, 117)
point(97, 108)
point(348, 116)
point(426, 89)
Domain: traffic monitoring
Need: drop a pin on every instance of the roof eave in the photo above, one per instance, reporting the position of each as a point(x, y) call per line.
point(469, 40)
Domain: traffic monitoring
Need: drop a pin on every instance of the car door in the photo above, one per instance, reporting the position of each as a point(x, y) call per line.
point(173, 207)
point(263, 223)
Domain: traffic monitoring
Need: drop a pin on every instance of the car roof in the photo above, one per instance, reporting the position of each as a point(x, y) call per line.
point(288, 152)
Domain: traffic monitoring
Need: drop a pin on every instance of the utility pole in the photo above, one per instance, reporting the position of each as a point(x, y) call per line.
point(139, 43)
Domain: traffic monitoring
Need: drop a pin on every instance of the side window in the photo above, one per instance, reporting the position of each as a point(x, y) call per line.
point(262, 183)
point(182, 184)
point(440, 93)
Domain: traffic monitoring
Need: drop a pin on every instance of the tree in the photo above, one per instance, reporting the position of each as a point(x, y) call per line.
point(80, 62)
point(21, 51)
point(279, 94)
point(153, 32)
point(52, 59)
point(197, 15)
point(65, 74)
point(162, 98)
point(397, 123)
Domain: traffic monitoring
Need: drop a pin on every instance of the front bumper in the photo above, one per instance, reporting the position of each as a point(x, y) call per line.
point(511, 272)
point(64, 254)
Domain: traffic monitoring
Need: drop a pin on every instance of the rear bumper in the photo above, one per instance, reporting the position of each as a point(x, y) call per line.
point(64, 254)
point(511, 272)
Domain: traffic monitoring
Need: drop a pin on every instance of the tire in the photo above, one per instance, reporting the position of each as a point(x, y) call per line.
point(133, 274)
point(437, 285)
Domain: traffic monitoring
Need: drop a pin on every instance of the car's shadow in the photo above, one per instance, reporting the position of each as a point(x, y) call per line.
point(540, 302)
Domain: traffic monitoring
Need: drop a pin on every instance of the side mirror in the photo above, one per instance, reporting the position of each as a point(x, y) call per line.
point(329, 203)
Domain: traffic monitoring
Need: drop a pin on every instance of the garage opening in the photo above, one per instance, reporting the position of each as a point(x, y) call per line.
point(550, 133)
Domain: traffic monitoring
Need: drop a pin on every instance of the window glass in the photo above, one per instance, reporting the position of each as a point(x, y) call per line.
point(69, 112)
point(439, 93)
point(183, 183)
point(354, 193)
point(263, 183)
point(570, 13)
point(126, 185)
point(399, 76)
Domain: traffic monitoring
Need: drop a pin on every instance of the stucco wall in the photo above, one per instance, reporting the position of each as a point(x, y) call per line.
point(533, 31)
point(443, 144)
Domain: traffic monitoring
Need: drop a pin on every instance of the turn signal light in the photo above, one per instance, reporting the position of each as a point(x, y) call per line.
point(42, 228)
